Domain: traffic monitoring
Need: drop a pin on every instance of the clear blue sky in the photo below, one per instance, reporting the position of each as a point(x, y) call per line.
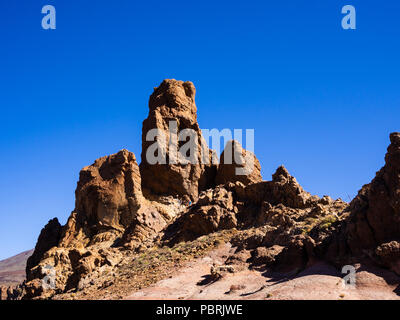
point(322, 100)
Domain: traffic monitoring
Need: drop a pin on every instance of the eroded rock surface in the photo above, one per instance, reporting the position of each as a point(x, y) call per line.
point(283, 224)
point(175, 101)
point(238, 164)
point(110, 211)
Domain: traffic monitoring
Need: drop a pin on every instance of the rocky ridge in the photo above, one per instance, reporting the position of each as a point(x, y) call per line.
point(125, 211)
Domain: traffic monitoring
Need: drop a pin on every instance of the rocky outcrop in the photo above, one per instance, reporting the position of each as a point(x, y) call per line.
point(123, 209)
point(49, 237)
point(275, 214)
point(110, 210)
point(172, 110)
point(373, 217)
point(108, 194)
point(149, 221)
point(284, 225)
point(283, 188)
point(109, 200)
point(63, 269)
point(215, 210)
point(238, 164)
point(310, 228)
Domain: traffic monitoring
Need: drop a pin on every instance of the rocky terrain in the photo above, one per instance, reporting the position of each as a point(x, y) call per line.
point(199, 230)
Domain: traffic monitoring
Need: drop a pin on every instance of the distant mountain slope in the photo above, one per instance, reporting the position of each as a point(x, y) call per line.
point(12, 270)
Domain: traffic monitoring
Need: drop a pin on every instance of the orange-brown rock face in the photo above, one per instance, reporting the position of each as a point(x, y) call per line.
point(109, 192)
point(283, 188)
point(108, 196)
point(175, 101)
point(110, 207)
point(238, 164)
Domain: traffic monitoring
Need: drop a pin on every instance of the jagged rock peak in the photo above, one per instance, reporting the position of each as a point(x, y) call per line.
point(280, 172)
point(49, 237)
point(238, 164)
point(175, 97)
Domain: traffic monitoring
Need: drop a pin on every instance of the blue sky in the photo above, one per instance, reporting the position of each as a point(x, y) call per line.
point(322, 100)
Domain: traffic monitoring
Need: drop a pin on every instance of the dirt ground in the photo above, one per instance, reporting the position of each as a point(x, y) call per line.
point(320, 281)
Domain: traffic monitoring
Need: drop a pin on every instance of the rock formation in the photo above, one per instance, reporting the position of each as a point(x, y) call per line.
point(238, 164)
point(298, 228)
point(110, 208)
point(282, 222)
point(49, 237)
point(174, 101)
point(122, 211)
point(372, 223)
point(215, 210)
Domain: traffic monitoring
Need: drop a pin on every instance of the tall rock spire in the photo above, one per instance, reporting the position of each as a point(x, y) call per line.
point(172, 109)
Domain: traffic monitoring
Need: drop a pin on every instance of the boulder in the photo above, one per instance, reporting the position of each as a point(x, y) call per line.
point(108, 193)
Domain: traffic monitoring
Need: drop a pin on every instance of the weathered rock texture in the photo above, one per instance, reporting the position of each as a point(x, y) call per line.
point(110, 209)
point(175, 101)
point(297, 228)
point(108, 193)
point(283, 224)
point(238, 164)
